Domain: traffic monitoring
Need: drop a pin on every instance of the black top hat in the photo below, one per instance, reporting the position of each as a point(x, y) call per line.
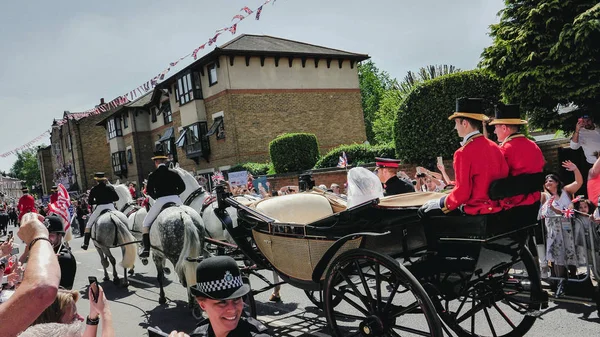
point(54, 224)
point(469, 108)
point(508, 114)
point(99, 176)
point(219, 278)
point(24, 190)
point(159, 154)
point(54, 188)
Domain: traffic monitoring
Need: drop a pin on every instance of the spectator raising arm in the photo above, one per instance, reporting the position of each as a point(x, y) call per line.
point(40, 283)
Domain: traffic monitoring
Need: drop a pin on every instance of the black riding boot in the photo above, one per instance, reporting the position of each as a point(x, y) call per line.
point(146, 242)
point(86, 241)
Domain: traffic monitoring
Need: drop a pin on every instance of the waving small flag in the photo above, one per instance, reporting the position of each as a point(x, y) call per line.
point(239, 17)
point(568, 213)
point(343, 160)
point(217, 177)
point(247, 10)
point(62, 205)
point(258, 11)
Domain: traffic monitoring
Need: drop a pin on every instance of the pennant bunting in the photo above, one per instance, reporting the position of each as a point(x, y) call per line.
point(239, 17)
point(258, 11)
point(247, 10)
point(233, 29)
point(213, 40)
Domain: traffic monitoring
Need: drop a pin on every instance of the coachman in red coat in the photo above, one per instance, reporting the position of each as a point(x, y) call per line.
point(521, 154)
point(477, 163)
point(54, 194)
point(26, 203)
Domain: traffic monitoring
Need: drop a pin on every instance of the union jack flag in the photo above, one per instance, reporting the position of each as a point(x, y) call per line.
point(217, 177)
point(239, 17)
point(62, 206)
point(258, 11)
point(343, 160)
point(213, 40)
point(195, 53)
point(233, 29)
point(568, 213)
point(247, 10)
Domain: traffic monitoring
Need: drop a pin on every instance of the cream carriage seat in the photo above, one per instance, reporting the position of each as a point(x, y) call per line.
point(302, 208)
point(413, 199)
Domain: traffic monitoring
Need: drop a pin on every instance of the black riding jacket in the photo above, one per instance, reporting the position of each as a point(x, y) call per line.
point(163, 182)
point(102, 194)
point(247, 327)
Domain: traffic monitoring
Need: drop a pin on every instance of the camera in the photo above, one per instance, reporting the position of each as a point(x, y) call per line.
point(421, 175)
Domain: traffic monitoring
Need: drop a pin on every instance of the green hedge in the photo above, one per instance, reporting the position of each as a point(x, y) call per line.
point(357, 154)
point(256, 169)
point(423, 131)
point(293, 152)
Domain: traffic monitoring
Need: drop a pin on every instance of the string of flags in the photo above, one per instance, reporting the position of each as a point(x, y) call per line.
point(150, 84)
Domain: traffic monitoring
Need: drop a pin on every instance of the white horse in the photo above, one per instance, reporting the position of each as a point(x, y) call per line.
point(135, 214)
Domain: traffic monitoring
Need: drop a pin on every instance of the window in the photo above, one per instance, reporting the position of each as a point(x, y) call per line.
point(166, 111)
point(193, 139)
point(188, 87)
point(69, 143)
point(126, 120)
point(217, 128)
point(114, 128)
point(129, 156)
point(154, 113)
point(119, 164)
point(212, 74)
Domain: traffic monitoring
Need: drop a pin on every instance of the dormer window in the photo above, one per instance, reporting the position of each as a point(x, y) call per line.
point(114, 128)
point(188, 87)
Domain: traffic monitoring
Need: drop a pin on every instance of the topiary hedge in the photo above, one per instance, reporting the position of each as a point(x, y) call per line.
point(293, 152)
point(422, 130)
point(256, 169)
point(357, 154)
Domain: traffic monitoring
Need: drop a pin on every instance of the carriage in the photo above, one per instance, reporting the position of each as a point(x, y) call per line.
point(379, 269)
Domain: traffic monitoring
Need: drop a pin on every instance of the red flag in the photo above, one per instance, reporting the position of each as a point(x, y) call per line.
point(62, 205)
point(247, 10)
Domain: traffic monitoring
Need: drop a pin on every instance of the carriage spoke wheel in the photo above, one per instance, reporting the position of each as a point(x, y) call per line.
point(376, 296)
point(500, 305)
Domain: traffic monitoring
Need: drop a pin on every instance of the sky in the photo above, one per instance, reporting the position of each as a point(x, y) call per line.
point(67, 54)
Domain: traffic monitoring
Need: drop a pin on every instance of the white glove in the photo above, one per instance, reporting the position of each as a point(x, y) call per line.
point(430, 205)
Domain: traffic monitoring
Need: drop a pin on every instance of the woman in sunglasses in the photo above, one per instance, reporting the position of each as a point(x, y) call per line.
point(560, 246)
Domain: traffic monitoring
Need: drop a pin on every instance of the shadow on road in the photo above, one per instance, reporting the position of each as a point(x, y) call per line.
point(174, 315)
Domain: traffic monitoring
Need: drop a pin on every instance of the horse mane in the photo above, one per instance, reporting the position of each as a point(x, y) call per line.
point(187, 177)
point(123, 192)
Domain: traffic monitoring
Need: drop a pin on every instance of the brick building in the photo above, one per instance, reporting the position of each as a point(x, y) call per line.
point(44, 158)
point(10, 190)
point(226, 107)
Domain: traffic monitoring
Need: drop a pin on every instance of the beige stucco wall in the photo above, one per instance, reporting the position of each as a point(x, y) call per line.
point(268, 76)
point(192, 112)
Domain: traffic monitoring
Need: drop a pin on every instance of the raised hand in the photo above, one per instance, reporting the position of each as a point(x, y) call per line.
point(567, 164)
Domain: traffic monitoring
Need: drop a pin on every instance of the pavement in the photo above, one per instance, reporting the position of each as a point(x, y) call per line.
point(136, 307)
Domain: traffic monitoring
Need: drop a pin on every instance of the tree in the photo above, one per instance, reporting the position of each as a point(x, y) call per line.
point(383, 124)
point(373, 84)
point(547, 53)
point(26, 167)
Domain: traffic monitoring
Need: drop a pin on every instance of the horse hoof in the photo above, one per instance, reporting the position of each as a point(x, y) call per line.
point(106, 278)
point(162, 300)
point(167, 271)
point(145, 262)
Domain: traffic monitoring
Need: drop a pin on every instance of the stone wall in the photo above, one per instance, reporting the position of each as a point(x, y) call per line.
point(551, 150)
point(95, 149)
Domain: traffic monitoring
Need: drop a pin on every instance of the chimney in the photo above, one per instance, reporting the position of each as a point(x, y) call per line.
point(102, 101)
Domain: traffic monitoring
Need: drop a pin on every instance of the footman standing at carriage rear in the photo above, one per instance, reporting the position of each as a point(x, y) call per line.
point(103, 196)
point(164, 186)
point(26, 204)
point(477, 163)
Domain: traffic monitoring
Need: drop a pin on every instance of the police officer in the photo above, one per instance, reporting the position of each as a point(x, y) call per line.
point(164, 186)
point(103, 196)
point(219, 293)
point(386, 172)
point(66, 260)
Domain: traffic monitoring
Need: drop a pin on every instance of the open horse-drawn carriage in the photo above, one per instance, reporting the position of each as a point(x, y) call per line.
point(378, 269)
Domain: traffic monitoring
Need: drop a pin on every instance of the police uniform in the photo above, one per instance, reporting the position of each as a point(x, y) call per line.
point(164, 186)
point(26, 204)
point(66, 260)
point(393, 185)
point(103, 196)
point(219, 278)
point(477, 163)
point(521, 154)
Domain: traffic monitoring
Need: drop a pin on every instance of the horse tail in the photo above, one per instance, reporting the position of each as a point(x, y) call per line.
point(124, 236)
point(191, 248)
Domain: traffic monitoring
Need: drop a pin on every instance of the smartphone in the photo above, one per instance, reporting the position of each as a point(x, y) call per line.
point(10, 235)
point(15, 251)
point(156, 332)
point(440, 161)
point(94, 286)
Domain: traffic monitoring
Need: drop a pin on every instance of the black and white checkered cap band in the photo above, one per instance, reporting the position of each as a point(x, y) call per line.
point(224, 284)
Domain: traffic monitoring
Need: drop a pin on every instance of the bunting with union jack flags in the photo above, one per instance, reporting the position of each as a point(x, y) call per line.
point(258, 11)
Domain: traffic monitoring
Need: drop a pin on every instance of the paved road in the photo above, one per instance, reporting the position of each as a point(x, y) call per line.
point(136, 307)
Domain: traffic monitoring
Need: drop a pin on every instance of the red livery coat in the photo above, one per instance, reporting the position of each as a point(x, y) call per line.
point(522, 156)
point(476, 165)
point(53, 198)
point(26, 204)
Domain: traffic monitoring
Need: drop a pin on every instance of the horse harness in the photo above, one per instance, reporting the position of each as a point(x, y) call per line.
point(194, 195)
point(134, 208)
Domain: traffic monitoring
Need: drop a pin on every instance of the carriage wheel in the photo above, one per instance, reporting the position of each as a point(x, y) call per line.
point(316, 297)
point(249, 302)
point(376, 296)
point(500, 305)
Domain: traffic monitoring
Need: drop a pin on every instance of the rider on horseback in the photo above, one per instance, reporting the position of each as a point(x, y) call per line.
point(103, 196)
point(164, 186)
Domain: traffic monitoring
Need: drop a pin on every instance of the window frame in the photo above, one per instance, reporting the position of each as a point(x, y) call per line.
point(119, 163)
point(209, 68)
point(126, 120)
point(201, 146)
point(188, 87)
point(114, 128)
point(154, 114)
point(167, 113)
point(129, 156)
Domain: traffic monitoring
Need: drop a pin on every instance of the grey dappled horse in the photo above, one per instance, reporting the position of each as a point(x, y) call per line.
point(135, 215)
point(110, 231)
